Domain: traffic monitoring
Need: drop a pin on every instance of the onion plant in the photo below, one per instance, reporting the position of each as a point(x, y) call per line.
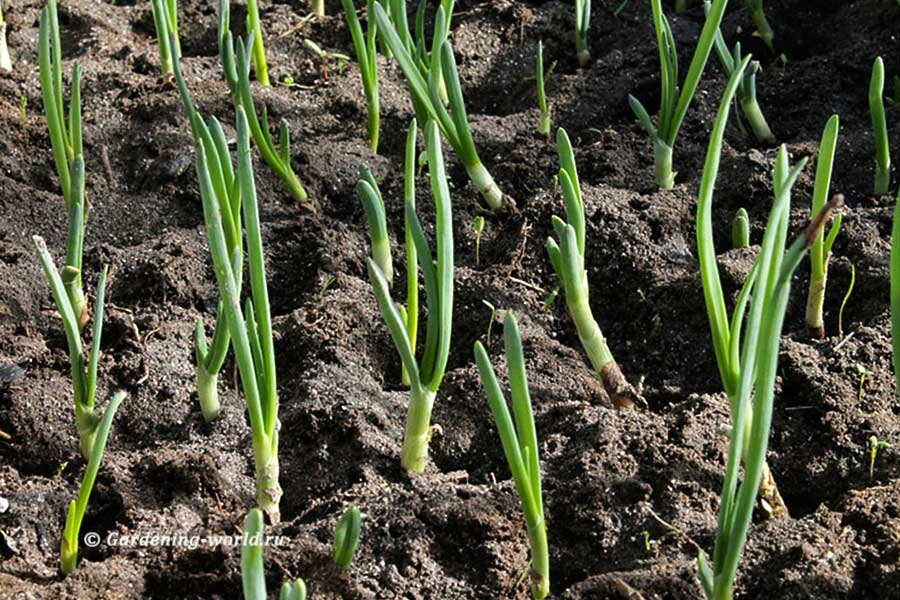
point(746, 92)
point(748, 367)
point(366, 55)
point(68, 549)
point(821, 248)
point(68, 151)
point(251, 331)
point(544, 122)
point(740, 229)
point(5, 61)
point(373, 203)
point(425, 375)
point(83, 367)
point(253, 568)
point(318, 7)
point(424, 73)
point(732, 359)
point(520, 445)
point(236, 57)
point(674, 101)
point(567, 258)
point(165, 20)
point(210, 358)
point(582, 26)
point(258, 51)
point(879, 125)
point(763, 29)
point(346, 537)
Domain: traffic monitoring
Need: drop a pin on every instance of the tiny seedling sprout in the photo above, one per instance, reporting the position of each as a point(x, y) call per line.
point(251, 330)
point(478, 225)
point(424, 75)
point(844, 301)
point(165, 20)
point(740, 229)
point(426, 374)
point(253, 568)
point(863, 372)
point(582, 26)
point(326, 57)
point(567, 258)
point(5, 61)
point(544, 120)
point(879, 126)
point(519, 439)
point(236, 57)
point(490, 321)
point(69, 545)
point(821, 248)
point(674, 101)
point(763, 29)
point(346, 537)
point(366, 56)
point(874, 446)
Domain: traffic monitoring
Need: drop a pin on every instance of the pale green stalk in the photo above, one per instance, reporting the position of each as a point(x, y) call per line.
point(520, 445)
point(544, 122)
point(582, 26)
point(68, 549)
point(567, 258)
point(165, 20)
point(253, 568)
point(251, 331)
point(424, 77)
point(821, 248)
point(258, 52)
point(318, 7)
point(879, 125)
point(366, 56)
point(740, 229)
point(674, 101)
point(425, 375)
point(346, 537)
point(763, 29)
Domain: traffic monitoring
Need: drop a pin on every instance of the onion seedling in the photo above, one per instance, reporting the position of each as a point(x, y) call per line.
point(423, 76)
point(165, 20)
point(258, 51)
point(83, 368)
point(879, 125)
point(373, 203)
point(674, 104)
point(210, 358)
point(749, 371)
point(567, 258)
point(68, 151)
point(366, 56)
point(346, 537)
point(251, 331)
point(520, 445)
point(821, 249)
point(763, 29)
point(863, 372)
point(235, 56)
point(726, 331)
point(68, 549)
point(544, 122)
point(318, 7)
point(425, 376)
point(740, 229)
point(844, 301)
point(5, 61)
point(253, 569)
point(746, 92)
point(874, 446)
point(582, 26)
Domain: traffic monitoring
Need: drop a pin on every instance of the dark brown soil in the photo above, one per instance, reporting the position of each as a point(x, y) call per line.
point(456, 531)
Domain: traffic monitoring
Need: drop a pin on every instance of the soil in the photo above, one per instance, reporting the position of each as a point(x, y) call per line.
point(613, 480)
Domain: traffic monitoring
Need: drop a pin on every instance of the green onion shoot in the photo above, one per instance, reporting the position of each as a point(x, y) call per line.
point(165, 20)
point(519, 439)
point(740, 229)
point(366, 56)
point(879, 126)
point(544, 121)
point(253, 568)
point(763, 29)
point(346, 537)
point(5, 61)
point(582, 26)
